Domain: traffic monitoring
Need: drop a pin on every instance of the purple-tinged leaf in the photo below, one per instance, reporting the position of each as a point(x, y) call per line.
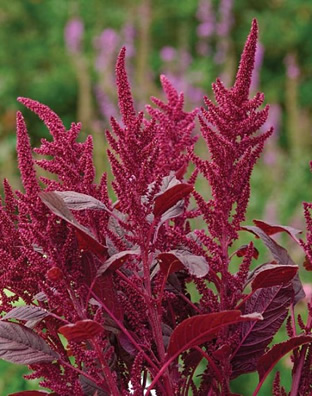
point(243, 250)
point(281, 256)
point(175, 260)
point(127, 344)
point(89, 388)
point(272, 275)
point(171, 213)
point(298, 289)
point(271, 229)
point(20, 345)
point(198, 329)
point(105, 290)
point(169, 198)
point(41, 296)
point(57, 206)
point(269, 359)
point(169, 263)
point(116, 261)
point(81, 330)
point(27, 312)
point(272, 303)
point(279, 253)
point(89, 243)
point(118, 230)
point(85, 238)
point(32, 393)
point(78, 201)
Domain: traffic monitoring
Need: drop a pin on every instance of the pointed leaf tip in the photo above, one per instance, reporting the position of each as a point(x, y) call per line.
point(21, 345)
point(202, 328)
point(81, 330)
point(170, 197)
point(267, 361)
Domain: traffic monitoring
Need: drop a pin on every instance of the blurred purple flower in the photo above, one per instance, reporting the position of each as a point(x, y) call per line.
point(128, 33)
point(73, 34)
point(292, 68)
point(270, 154)
point(205, 29)
point(221, 52)
point(185, 59)
point(106, 107)
point(168, 54)
point(106, 41)
point(204, 11)
point(226, 18)
point(106, 44)
point(195, 94)
point(274, 119)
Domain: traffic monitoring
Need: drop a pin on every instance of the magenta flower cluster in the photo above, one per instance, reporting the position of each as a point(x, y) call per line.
point(105, 283)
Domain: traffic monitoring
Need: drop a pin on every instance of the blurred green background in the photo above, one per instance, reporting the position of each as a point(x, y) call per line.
point(62, 53)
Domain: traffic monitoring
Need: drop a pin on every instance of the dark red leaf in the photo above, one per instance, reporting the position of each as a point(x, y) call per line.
point(103, 287)
point(90, 244)
point(243, 250)
point(181, 171)
point(126, 344)
point(202, 328)
point(85, 238)
point(27, 312)
point(272, 275)
point(281, 256)
point(179, 259)
point(21, 345)
point(223, 352)
point(89, 388)
point(269, 359)
point(77, 201)
point(116, 261)
point(165, 201)
point(81, 330)
point(279, 253)
point(272, 303)
point(307, 264)
point(271, 229)
point(169, 263)
point(105, 290)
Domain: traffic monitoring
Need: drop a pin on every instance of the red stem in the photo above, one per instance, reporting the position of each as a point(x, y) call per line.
point(106, 370)
point(297, 373)
point(211, 363)
point(126, 332)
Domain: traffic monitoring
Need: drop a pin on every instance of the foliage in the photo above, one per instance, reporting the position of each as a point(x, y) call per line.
point(105, 284)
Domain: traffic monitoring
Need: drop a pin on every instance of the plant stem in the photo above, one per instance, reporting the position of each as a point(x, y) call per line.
point(211, 363)
point(152, 303)
point(106, 370)
point(297, 373)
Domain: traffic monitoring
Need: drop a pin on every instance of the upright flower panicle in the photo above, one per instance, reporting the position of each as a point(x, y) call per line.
point(228, 128)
